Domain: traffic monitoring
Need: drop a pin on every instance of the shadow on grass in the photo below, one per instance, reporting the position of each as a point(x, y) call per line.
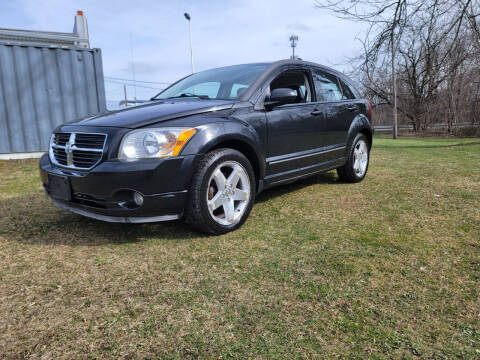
point(406, 146)
point(325, 178)
point(32, 219)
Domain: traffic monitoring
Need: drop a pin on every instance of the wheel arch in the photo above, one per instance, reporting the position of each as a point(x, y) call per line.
point(246, 149)
point(359, 125)
point(233, 134)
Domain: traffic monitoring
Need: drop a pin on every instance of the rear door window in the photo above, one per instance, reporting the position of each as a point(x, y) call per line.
point(327, 86)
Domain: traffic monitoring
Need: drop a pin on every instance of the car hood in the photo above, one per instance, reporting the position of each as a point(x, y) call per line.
point(153, 112)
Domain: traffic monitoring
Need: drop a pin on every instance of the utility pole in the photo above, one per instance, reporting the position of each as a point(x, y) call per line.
point(394, 87)
point(133, 70)
point(125, 93)
point(187, 16)
point(293, 44)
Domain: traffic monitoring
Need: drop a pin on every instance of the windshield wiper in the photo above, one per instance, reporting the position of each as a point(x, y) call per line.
point(203, 97)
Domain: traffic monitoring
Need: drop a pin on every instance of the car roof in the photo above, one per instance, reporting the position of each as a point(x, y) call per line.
point(279, 63)
point(274, 66)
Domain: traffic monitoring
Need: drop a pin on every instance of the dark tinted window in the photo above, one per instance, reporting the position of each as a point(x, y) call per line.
point(295, 80)
point(327, 86)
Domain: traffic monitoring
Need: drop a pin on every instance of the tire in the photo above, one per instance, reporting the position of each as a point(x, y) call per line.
point(217, 204)
point(353, 171)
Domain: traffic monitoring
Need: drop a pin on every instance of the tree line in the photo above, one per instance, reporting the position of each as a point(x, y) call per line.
point(429, 48)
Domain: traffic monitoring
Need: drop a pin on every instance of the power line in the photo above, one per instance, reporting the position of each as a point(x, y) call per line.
point(137, 81)
point(137, 85)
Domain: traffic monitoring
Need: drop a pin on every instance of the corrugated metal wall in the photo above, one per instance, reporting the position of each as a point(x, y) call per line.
point(42, 87)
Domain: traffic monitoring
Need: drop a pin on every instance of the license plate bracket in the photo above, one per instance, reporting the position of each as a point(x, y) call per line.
point(59, 187)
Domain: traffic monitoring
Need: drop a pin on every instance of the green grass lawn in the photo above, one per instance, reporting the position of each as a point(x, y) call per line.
point(388, 268)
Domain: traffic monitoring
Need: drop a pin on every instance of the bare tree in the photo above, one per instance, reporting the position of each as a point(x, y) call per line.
point(430, 44)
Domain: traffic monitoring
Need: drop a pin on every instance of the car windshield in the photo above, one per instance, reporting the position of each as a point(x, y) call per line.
point(222, 83)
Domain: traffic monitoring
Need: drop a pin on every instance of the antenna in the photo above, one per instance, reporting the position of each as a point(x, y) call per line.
point(293, 44)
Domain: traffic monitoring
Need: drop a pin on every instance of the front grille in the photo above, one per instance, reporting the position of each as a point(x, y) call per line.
point(60, 156)
point(77, 150)
point(61, 138)
point(90, 141)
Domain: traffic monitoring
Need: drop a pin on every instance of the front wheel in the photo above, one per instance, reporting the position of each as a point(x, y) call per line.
point(356, 166)
point(222, 192)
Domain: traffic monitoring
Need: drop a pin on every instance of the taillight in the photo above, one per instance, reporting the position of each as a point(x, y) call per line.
point(370, 109)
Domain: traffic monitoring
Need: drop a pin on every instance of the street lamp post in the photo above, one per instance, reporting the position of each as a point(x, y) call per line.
point(187, 16)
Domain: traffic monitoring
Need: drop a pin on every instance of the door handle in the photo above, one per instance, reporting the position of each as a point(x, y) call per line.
point(316, 112)
point(352, 108)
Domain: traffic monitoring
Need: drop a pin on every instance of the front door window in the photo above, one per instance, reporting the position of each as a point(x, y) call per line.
point(297, 81)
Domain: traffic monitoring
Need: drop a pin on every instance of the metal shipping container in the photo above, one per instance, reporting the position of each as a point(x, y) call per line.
point(42, 87)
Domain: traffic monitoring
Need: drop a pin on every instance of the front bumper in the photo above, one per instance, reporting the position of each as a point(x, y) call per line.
point(102, 192)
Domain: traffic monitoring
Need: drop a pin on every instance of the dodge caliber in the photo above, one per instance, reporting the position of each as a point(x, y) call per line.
point(205, 146)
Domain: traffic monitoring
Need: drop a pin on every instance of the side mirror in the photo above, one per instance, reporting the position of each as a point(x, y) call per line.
point(281, 96)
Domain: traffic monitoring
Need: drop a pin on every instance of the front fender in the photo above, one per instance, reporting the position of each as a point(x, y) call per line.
point(239, 133)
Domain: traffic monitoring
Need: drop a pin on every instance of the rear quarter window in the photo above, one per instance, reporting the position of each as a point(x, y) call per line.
point(347, 90)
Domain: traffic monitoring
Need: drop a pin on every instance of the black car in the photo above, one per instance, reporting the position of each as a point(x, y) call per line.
point(205, 146)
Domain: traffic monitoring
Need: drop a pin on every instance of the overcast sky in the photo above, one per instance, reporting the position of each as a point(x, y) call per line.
point(225, 32)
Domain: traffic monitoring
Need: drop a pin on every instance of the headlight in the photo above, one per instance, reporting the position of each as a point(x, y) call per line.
point(154, 143)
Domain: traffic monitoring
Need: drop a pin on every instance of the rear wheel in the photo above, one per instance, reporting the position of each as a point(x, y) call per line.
point(222, 192)
point(358, 159)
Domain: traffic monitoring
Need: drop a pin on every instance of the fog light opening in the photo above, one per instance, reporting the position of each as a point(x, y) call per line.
point(138, 199)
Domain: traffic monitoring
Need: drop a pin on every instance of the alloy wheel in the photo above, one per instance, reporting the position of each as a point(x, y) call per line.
point(228, 193)
point(360, 158)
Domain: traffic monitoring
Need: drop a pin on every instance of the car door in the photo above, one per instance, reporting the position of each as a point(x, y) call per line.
point(351, 105)
point(293, 131)
point(338, 112)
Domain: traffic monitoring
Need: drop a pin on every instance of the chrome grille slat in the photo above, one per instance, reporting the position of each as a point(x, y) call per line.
point(77, 150)
point(55, 146)
point(84, 156)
